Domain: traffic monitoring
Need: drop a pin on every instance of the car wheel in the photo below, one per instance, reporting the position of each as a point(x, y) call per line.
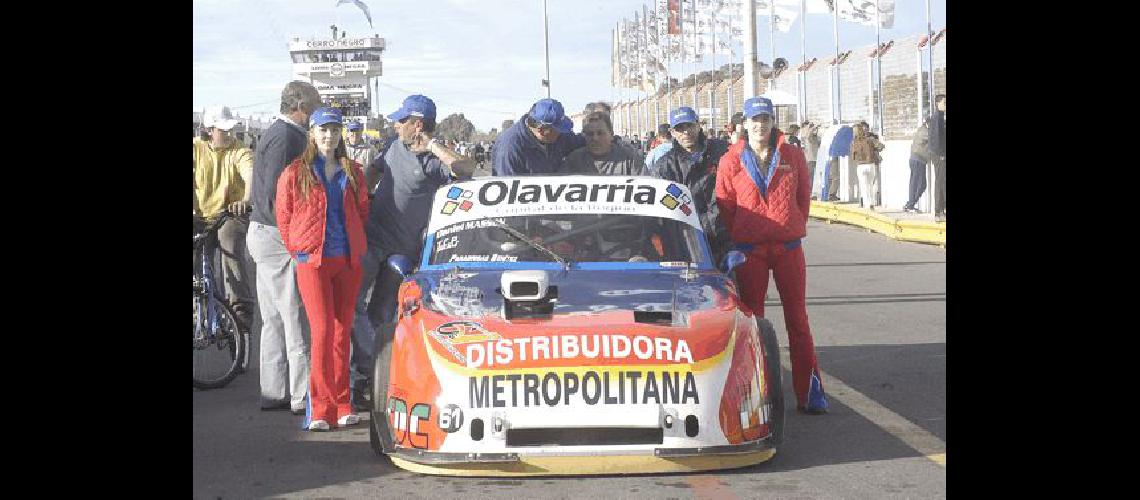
point(775, 387)
point(380, 437)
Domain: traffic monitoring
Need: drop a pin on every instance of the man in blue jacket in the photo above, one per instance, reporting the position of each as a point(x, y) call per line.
point(537, 144)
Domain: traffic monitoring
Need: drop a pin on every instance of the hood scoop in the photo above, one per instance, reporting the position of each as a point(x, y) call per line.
point(664, 318)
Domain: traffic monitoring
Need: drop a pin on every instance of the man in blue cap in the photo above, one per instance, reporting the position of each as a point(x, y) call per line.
point(362, 152)
point(537, 144)
point(692, 161)
point(412, 168)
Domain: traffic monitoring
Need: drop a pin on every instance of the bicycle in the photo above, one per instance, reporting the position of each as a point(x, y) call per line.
point(221, 341)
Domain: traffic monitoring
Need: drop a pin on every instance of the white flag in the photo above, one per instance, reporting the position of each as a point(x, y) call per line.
point(786, 12)
point(863, 12)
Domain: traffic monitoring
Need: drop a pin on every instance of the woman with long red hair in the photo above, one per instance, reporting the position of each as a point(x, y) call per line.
point(321, 206)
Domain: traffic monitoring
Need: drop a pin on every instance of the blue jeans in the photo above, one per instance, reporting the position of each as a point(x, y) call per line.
point(917, 180)
point(375, 309)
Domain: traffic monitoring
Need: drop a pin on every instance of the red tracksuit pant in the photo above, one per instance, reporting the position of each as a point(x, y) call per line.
point(329, 294)
point(790, 271)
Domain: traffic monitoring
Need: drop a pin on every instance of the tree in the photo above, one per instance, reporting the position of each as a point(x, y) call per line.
point(455, 128)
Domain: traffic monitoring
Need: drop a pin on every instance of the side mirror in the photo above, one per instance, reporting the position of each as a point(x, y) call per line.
point(732, 259)
point(401, 264)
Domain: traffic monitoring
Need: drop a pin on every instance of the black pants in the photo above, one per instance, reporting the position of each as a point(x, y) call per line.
point(939, 185)
point(917, 180)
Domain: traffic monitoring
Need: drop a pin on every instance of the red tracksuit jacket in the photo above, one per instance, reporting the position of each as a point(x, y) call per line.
point(752, 218)
point(302, 223)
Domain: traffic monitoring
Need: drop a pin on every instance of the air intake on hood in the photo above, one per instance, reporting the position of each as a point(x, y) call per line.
point(653, 317)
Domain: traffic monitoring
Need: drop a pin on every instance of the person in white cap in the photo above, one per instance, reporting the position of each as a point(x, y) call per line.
point(222, 169)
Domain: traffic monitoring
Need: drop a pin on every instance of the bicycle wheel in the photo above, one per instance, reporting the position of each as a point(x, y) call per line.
point(219, 345)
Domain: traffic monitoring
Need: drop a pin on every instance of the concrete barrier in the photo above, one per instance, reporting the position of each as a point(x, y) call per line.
point(892, 225)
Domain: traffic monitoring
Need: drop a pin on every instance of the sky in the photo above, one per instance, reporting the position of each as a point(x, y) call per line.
point(484, 59)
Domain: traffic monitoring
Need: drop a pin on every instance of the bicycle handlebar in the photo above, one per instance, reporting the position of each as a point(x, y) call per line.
point(212, 227)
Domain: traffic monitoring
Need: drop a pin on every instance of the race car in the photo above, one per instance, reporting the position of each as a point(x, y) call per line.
point(572, 325)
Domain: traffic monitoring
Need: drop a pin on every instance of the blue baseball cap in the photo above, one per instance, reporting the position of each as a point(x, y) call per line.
point(415, 105)
point(683, 114)
point(565, 126)
point(758, 105)
point(325, 115)
point(550, 112)
point(355, 126)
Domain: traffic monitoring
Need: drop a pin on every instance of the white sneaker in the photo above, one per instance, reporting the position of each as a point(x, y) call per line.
point(350, 419)
point(318, 425)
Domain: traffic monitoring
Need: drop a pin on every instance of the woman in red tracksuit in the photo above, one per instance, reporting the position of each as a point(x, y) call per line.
point(321, 206)
point(763, 190)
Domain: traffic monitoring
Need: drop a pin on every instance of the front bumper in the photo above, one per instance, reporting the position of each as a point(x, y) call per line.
point(566, 461)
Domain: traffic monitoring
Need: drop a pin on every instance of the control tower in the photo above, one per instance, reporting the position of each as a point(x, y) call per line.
point(340, 68)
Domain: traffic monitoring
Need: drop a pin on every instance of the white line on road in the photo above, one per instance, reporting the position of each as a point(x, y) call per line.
point(914, 436)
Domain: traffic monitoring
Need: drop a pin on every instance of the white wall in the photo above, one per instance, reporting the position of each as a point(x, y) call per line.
point(894, 175)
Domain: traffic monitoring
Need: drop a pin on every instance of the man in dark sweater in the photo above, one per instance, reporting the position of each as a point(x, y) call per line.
point(693, 161)
point(284, 329)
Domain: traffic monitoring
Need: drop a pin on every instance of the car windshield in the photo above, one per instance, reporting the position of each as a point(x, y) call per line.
point(572, 237)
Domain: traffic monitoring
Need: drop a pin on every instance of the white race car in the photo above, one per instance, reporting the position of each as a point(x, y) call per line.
point(572, 325)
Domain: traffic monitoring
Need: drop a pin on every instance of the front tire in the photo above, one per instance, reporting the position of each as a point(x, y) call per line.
point(379, 435)
point(773, 372)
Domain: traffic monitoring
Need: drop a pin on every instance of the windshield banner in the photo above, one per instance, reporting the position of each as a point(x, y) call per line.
point(568, 194)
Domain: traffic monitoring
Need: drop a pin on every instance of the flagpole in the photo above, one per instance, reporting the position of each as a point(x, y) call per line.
point(656, 60)
point(873, 108)
point(930, 58)
point(681, 43)
point(668, 44)
point(749, 13)
point(696, 54)
point(625, 114)
point(716, 72)
point(803, 60)
point(918, 82)
point(546, 40)
point(838, 111)
point(878, 69)
point(730, 75)
point(772, 37)
point(668, 78)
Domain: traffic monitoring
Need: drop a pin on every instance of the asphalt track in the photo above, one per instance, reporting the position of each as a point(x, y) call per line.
point(878, 314)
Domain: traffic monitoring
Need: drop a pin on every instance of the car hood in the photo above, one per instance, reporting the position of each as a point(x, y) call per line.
point(474, 294)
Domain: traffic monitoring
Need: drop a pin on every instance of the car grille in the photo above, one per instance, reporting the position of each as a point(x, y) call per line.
point(583, 436)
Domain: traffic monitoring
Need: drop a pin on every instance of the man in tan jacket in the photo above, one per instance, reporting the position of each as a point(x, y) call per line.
point(222, 168)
